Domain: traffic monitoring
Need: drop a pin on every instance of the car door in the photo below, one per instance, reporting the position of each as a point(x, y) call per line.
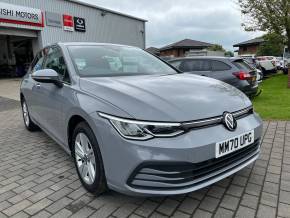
point(51, 97)
point(29, 86)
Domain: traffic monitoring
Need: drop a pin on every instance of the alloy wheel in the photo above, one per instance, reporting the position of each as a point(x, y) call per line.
point(85, 158)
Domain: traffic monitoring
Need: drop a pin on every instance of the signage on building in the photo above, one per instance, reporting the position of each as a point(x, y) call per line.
point(80, 24)
point(53, 19)
point(12, 15)
point(68, 23)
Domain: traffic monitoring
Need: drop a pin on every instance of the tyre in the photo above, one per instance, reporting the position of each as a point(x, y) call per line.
point(29, 124)
point(88, 159)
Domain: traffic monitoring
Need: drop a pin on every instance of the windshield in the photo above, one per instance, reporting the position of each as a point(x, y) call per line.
point(110, 60)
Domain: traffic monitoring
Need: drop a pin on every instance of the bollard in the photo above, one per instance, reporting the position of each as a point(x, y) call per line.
point(289, 76)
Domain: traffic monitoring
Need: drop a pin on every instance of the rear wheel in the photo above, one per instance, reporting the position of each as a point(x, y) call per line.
point(29, 124)
point(88, 160)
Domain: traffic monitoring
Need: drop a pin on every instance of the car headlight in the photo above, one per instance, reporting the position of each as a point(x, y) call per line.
point(143, 130)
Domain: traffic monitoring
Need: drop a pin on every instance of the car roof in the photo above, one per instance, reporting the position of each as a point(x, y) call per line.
point(265, 56)
point(86, 43)
point(207, 58)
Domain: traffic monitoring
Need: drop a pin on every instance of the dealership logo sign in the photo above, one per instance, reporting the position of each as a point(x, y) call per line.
point(19, 15)
point(68, 23)
point(80, 24)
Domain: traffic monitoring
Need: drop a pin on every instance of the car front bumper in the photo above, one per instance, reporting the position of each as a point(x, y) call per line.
point(128, 163)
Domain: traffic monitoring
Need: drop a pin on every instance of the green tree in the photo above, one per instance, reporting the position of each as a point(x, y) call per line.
point(267, 15)
point(272, 45)
point(229, 54)
point(216, 47)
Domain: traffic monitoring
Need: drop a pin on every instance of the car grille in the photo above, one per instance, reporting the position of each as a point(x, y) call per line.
point(213, 121)
point(167, 176)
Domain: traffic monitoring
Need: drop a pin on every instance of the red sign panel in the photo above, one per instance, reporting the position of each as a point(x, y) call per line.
point(68, 23)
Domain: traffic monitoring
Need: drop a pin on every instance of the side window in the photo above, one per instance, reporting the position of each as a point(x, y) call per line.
point(195, 65)
point(185, 66)
point(55, 61)
point(219, 66)
point(206, 65)
point(37, 62)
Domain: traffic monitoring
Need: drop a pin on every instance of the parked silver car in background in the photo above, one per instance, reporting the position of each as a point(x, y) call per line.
point(133, 124)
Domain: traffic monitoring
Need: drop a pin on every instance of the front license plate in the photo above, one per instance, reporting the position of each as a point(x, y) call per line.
point(230, 145)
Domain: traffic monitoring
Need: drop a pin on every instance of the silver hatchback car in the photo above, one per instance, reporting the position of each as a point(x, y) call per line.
point(134, 124)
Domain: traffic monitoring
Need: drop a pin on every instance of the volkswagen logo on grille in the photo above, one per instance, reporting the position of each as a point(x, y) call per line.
point(229, 121)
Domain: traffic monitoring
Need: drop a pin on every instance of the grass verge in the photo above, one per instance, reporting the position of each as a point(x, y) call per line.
point(274, 101)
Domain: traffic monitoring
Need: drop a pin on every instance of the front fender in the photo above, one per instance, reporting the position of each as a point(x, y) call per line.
point(87, 106)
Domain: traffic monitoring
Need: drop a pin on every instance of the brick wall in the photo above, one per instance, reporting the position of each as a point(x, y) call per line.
point(175, 52)
point(251, 49)
point(172, 52)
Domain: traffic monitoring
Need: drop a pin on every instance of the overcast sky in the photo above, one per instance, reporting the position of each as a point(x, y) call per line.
point(213, 21)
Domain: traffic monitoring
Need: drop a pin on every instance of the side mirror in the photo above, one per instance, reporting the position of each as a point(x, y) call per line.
point(47, 76)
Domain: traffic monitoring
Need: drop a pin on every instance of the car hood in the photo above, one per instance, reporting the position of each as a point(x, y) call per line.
point(178, 97)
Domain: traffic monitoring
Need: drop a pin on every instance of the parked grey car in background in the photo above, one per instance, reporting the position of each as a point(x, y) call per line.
point(133, 124)
point(234, 71)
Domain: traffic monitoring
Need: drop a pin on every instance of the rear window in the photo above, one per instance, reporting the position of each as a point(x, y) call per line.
point(242, 65)
point(249, 60)
point(219, 66)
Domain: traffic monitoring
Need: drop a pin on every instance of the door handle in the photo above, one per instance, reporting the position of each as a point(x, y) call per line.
point(38, 86)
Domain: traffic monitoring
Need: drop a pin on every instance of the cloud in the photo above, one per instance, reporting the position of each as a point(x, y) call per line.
point(214, 21)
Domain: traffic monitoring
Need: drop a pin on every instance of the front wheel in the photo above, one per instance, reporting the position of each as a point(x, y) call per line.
point(88, 160)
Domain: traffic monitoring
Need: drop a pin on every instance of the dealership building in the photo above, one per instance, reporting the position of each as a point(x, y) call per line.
point(28, 25)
